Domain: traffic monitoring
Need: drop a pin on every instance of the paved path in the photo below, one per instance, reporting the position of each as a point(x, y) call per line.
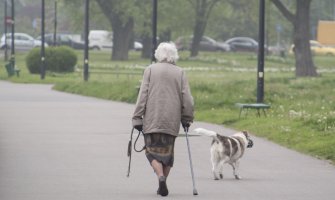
point(58, 146)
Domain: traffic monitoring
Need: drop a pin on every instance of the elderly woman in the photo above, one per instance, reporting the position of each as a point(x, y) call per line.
point(164, 102)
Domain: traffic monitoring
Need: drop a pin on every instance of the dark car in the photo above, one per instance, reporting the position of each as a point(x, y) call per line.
point(206, 44)
point(243, 44)
point(63, 39)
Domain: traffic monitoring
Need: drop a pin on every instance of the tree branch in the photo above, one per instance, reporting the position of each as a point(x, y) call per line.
point(211, 5)
point(286, 13)
point(192, 3)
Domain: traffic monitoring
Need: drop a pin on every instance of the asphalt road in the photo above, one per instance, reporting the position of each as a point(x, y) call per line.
point(58, 146)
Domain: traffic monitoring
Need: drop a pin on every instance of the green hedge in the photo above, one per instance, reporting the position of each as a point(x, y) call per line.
point(57, 59)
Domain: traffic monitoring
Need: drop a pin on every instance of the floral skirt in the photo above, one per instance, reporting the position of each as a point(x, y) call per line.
point(160, 147)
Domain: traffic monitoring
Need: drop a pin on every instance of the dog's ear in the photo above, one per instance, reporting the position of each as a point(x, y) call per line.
point(245, 133)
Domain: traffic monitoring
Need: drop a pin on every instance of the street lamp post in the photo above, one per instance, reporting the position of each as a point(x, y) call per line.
point(260, 70)
point(12, 59)
point(55, 25)
point(5, 30)
point(154, 29)
point(42, 40)
point(87, 3)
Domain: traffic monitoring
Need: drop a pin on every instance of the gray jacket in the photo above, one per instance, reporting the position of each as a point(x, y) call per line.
point(164, 100)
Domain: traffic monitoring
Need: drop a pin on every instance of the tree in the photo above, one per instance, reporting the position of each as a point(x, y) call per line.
point(71, 16)
point(119, 14)
point(145, 31)
point(300, 20)
point(171, 20)
point(203, 9)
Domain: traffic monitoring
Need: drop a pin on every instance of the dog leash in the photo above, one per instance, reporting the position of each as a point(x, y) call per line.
point(130, 147)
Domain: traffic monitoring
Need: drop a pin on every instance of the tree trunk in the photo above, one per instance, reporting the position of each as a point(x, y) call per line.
point(202, 11)
point(304, 65)
point(303, 57)
point(147, 44)
point(198, 32)
point(122, 34)
point(146, 41)
point(165, 36)
point(122, 29)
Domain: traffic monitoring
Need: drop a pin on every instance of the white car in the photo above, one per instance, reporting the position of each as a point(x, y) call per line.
point(22, 41)
point(100, 40)
point(138, 46)
point(103, 40)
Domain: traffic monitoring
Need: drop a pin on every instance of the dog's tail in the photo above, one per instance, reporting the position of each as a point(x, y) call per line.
point(206, 132)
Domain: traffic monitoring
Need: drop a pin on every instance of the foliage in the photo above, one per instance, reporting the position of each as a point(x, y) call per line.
point(74, 10)
point(228, 19)
point(236, 16)
point(57, 59)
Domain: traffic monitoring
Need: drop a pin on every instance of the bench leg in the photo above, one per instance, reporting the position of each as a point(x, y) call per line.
point(245, 111)
point(264, 112)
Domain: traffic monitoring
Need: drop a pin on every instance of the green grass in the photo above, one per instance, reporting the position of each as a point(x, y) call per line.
point(302, 114)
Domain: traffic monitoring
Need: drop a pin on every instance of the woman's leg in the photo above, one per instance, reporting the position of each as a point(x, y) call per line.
point(160, 172)
point(158, 168)
point(166, 170)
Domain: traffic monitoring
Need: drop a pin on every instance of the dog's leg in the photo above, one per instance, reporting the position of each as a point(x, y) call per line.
point(215, 158)
point(235, 166)
point(221, 169)
point(215, 169)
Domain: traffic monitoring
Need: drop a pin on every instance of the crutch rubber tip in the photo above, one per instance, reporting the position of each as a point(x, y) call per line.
point(195, 192)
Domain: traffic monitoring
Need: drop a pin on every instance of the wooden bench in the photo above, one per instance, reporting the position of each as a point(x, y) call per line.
point(257, 106)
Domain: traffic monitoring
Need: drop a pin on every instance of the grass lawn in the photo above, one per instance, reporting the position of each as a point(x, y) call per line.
point(302, 113)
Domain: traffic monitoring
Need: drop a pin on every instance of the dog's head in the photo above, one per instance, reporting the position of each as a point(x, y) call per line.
point(250, 142)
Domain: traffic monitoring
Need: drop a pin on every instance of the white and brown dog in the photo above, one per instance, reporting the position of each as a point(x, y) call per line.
point(226, 149)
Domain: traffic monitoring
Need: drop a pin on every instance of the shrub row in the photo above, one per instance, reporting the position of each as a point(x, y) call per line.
point(57, 59)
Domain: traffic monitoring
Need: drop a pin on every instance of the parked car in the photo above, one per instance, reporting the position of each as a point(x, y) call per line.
point(243, 44)
point(317, 49)
point(22, 41)
point(103, 40)
point(100, 40)
point(206, 44)
point(62, 39)
point(138, 46)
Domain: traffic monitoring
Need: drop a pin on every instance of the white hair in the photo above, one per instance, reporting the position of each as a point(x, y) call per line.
point(166, 52)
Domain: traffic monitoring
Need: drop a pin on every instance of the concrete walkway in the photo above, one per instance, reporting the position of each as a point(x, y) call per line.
point(58, 146)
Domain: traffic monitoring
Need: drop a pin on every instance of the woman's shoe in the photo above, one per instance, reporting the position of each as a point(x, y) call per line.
point(162, 190)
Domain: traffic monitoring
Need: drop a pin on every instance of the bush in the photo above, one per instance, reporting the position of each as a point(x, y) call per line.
point(57, 59)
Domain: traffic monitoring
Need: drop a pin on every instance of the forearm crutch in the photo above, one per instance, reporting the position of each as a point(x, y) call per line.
point(195, 192)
